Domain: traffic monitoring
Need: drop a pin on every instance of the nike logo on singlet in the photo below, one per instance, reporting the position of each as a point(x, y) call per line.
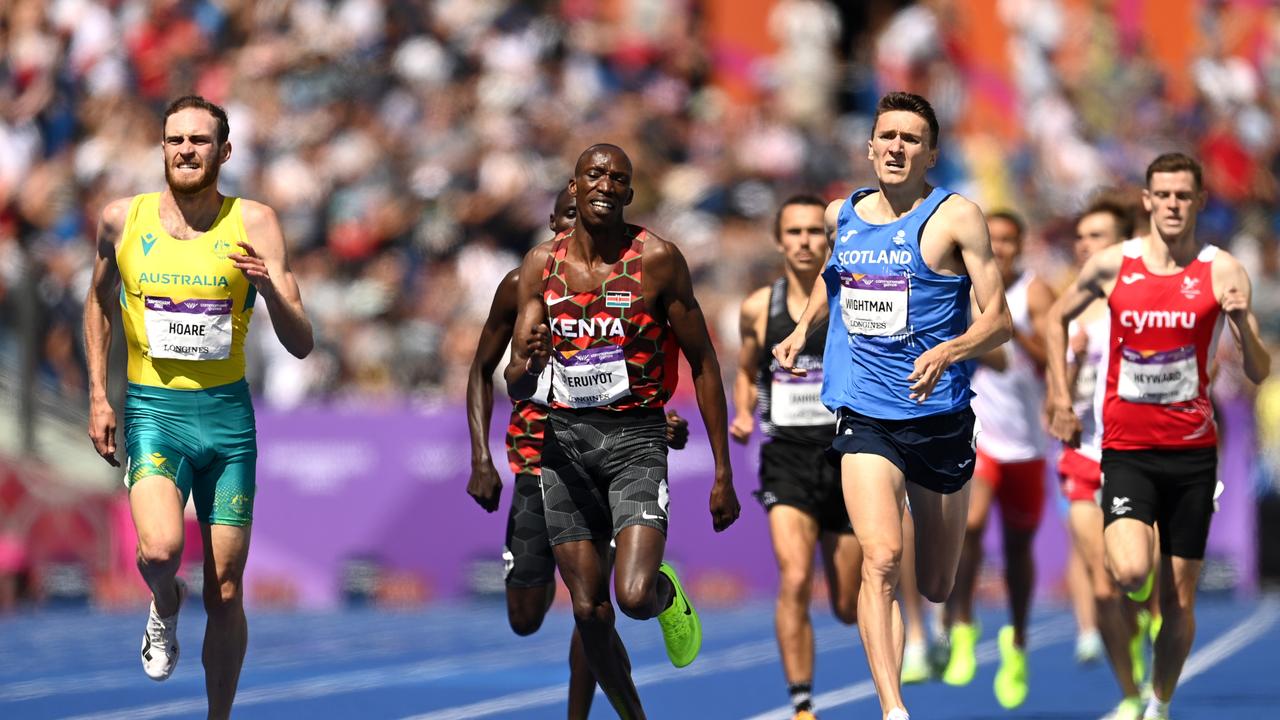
point(557, 301)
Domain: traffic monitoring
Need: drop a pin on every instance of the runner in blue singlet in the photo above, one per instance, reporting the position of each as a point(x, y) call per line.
point(897, 361)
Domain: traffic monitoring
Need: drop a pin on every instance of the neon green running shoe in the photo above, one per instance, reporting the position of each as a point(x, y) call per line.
point(1130, 708)
point(915, 663)
point(1154, 631)
point(964, 662)
point(1011, 678)
point(1138, 646)
point(1141, 594)
point(681, 629)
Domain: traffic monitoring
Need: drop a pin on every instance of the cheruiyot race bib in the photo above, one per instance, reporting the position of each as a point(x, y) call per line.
point(797, 401)
point(591, 378)
point(195, 329)
point(874, 304)
point(1159, 377)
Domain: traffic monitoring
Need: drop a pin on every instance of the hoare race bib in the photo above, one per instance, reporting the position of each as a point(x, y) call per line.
point(874, 304)
point(796, 401)
point(591, 378)
point(1159, 377)
point(195, 329)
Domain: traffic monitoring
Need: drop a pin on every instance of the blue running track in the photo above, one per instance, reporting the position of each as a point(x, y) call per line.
point(463, 662)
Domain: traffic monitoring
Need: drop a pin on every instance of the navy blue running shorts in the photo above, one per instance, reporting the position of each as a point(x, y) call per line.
point(935, 452)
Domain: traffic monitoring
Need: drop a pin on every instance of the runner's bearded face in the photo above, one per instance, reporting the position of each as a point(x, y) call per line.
point(899, 148)
point(1173, 200)
point(1094, 232)
point(802, 237)
point(602, 186)
point(192, 154)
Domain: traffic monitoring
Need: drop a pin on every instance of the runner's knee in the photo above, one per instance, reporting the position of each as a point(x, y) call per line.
point(881, 562)
point(845, 608)
point(635, 597)
point(222, 594)
point(795, 585)
point(156, 550)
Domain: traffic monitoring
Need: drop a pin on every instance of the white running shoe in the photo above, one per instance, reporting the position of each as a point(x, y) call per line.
point(160, 641)
point(1089, 648)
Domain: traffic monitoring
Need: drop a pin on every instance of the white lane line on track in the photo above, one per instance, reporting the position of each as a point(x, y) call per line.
point(987, 652)
point(1249, 630)
point(735, 658)
point(738, 656)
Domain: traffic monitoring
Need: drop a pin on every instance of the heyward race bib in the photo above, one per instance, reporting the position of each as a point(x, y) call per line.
point(1159, 377)
point(195, 329)
point(874, 304)
point(591, 378)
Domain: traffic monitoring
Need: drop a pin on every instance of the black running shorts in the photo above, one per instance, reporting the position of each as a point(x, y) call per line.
point(602, 471)
point(1171, 489)
point(526, 553)
point(935, 452)
point(800, 475)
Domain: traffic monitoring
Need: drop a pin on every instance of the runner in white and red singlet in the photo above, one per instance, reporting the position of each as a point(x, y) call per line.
point(1167, 294)
point(1103, 224)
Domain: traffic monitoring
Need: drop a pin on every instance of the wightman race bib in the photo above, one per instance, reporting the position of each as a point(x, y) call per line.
point(874, 304)
point(797, 401)
point(591, 378)
point(1159, 377)
point(194, 329)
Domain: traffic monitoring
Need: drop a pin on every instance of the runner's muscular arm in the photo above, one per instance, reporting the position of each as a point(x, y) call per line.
point(816, 310)
point(531, 346)
point(484, 484)
point(265, 261)
point(104, 291)
point(1236, 300)
point(744, 383)
point(1040, 298)
point(992, 327)
point(668, 274)
point(1089, 286)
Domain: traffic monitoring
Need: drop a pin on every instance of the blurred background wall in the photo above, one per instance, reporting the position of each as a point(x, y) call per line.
point(412, 150)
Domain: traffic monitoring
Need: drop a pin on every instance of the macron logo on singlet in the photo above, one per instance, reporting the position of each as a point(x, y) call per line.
point(148, 241)
point(591, 327)
point(1140, 320)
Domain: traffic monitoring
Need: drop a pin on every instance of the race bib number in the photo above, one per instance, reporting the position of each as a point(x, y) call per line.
point(874, 304)
point(1159, 377)
point(591, 378)
point(195, 329)
point(797, 401)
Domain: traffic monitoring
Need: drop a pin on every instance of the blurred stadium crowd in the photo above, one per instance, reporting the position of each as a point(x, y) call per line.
point(412, 148)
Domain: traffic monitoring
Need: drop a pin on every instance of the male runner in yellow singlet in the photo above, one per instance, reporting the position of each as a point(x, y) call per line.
point(187, 266)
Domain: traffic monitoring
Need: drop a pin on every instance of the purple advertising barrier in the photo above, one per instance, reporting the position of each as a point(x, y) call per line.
point(337, 484)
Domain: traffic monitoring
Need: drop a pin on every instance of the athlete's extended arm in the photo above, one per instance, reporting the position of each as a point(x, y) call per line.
point(484, 484)
point(744, 383)
point(1039, 299)
point(1236, 300)
point(992, 327)
point(98, 309)
point(265, 262)
point(1087, 287)
point(816, 310)
point(668, 273)
point(531, 348)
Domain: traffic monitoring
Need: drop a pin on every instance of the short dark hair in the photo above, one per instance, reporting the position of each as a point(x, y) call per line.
point(1123, 214)
point(798, 199)
point(195, 101)
point(1012, 218)
point(912, 103)
point(1176, 162)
